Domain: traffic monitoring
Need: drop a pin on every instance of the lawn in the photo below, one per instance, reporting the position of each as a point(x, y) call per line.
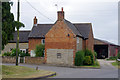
point(23, 72)
point(116, 64)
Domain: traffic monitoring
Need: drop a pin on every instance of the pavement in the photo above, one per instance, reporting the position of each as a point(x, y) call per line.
point(106, 71)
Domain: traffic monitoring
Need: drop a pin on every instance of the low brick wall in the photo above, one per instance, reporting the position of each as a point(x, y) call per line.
point(28, 60)
point(34, 60)
point(8, 59)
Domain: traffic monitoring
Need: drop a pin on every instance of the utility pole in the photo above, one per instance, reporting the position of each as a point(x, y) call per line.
point(17, 43)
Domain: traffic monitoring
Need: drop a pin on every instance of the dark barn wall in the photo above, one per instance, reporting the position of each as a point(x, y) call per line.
point(113, 50)
point(102, 51)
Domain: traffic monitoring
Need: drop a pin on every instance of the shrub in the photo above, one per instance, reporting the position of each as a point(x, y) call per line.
point(39, 51)
point(118, 55)
point(7, 54)
point(13, 53)
point(87, 60)
point(79, 58)
point(95, 55)
point(91, 54)
point(112, 58)
point(27, 54)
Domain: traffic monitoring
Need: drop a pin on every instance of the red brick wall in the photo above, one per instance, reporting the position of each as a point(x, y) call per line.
point(57, 38)
point(32, 44)
point(90, 40)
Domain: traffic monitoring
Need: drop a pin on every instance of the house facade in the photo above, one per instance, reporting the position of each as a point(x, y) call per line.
point(23, 42)
point(62, 39)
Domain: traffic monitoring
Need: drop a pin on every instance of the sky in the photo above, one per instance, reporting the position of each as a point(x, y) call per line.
point(103, 14)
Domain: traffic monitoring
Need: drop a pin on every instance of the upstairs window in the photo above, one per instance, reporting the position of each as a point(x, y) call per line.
point(43, 41)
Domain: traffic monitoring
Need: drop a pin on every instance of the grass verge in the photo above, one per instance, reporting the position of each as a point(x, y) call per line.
point(116, 64)
point(96, 65)
point(23, 72)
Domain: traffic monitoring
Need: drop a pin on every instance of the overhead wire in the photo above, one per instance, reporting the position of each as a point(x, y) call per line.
point(38, 11)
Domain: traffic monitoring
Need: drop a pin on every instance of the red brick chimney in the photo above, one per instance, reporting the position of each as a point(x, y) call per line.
point(35, 21)
point(60, 15)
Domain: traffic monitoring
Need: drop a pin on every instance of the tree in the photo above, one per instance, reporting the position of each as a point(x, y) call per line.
point(8, 26)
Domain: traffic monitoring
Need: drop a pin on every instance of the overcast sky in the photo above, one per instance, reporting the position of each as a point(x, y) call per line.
point(103, 14)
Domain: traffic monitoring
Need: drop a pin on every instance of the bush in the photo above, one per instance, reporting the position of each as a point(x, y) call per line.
point(95, 55)
point(21, 54)
point(13, 53)
point(118, 55)
point(91, 54)
point(112, 58)
point(27, 54)
point(7, 54)
point(79, 58)
point(39, 51)
point(87, 60)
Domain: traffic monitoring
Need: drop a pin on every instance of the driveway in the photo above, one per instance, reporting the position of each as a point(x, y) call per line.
point(106, 71)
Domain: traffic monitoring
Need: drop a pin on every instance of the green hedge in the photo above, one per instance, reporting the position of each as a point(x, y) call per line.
point(79, 58)
point(13, 53)
point(6, 54)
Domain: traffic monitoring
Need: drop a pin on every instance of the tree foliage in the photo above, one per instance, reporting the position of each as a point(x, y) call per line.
point(8, 23)
point(8, 26)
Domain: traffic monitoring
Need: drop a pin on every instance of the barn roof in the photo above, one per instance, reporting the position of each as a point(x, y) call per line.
point(105, 42)
point(23, 37)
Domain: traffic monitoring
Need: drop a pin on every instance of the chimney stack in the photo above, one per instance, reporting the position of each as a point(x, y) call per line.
point(60, 15)
point(35, 21)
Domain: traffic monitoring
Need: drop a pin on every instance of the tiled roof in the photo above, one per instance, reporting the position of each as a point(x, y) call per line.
point(80, 29)
point(23, 37)
point(83, 28)
point(40, 30)
point(73, 28)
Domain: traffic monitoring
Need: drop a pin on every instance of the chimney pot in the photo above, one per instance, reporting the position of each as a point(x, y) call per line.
point(35, 21)
point(60, 15)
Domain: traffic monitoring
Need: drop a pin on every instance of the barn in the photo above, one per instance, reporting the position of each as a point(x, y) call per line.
point(105, 49)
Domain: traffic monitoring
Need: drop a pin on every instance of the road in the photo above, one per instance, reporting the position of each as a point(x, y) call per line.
point(106, 71)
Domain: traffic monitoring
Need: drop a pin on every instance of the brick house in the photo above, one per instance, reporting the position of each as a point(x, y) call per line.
point(62, 39)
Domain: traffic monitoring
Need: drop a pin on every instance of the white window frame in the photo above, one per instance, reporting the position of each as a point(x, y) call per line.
point(77, 39)
point(23, 50)
point(43, 41)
